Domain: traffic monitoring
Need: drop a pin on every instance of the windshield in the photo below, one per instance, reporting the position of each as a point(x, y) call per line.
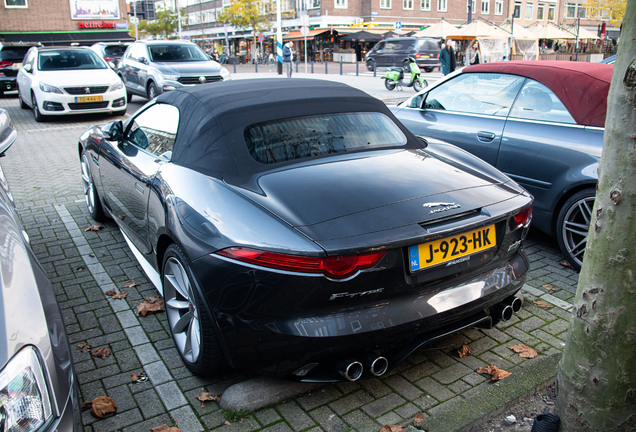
point(69, 60)
point(176, 53)
point(13, 53)
point(305, 137)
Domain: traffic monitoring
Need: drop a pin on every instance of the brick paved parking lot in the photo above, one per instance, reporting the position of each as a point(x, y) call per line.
point(42, 169)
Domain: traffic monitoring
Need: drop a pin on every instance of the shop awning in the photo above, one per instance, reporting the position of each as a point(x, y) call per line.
point(297, 36)
point(53, 38)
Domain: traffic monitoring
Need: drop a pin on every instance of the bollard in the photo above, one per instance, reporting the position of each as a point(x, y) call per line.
point(356, 68)
point(234, 66)
point(296, 66)
point(373, 69)
point(340, 65)
point(312, 66)
point(326, 71)
point(256, 66)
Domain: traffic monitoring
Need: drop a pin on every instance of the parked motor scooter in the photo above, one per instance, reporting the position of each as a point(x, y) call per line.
point(394, 77)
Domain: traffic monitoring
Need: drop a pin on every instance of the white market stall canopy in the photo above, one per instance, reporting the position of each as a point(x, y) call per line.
point(440, 30)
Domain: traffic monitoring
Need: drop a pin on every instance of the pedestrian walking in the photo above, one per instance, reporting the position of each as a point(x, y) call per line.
point(288, 57)
point(473, 54)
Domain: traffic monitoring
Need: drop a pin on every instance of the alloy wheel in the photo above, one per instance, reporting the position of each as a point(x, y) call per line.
point(87, 183)
point(575, 227)
point(181, 307)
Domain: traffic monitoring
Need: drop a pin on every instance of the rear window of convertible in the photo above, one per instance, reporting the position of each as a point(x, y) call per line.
point(305, 137)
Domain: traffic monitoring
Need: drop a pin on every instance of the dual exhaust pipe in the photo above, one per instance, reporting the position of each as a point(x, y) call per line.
point(504, 310)
point(352, 369)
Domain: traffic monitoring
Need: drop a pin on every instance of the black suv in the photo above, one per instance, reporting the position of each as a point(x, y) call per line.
point(11, 56)
point(396, 52)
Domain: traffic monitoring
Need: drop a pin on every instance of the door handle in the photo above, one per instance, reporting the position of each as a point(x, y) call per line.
point(139, 188)
point(485, 136)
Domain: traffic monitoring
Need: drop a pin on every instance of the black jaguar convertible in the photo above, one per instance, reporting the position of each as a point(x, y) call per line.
point(296, 228)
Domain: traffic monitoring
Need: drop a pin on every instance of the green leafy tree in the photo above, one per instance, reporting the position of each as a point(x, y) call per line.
point(246, 14)
point(165, 22)
point(597, 374)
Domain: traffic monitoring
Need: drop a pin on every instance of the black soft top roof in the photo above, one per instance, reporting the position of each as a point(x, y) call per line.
point(213, 117)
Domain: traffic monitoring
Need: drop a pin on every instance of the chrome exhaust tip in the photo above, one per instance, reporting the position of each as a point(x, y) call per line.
point(350, 369)
point(376, 364)
point(516, 304)
point(506, 313)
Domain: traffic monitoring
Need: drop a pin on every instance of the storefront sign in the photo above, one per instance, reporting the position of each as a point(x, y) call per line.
point(94, 9)
point(97, 24)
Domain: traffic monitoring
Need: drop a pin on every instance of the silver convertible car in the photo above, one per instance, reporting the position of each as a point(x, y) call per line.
point(304, 232)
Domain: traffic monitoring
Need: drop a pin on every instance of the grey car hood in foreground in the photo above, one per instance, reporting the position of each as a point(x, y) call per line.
point(373, 192)
point(188, 68)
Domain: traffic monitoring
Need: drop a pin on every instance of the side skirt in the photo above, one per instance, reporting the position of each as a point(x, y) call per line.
point(152, 274)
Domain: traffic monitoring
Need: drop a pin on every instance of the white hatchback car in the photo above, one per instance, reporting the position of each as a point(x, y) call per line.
point(68, 80)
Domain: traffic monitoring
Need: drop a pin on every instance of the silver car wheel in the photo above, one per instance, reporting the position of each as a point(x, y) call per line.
point(575, 227)
point(181, 307)
point(87, 183)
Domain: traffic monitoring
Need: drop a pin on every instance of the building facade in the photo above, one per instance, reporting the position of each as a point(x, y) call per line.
point(63, 21)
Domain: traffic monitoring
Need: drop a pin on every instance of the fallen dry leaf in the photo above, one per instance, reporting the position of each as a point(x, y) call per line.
point(227, 423)
point(86, 405)
point(392, 428)
point(464, 350)
point(549, 287)
point(145, 308)
point(496, 373)
point(91, 255)
point(102, 352)
point(166, 428)
point(110, 293)
point(121, 216)
point(102, 405)
point(120, 295)
point(542, 304)
point(418, 418)
point(524, 351)
point(131, 283)
point(566, 264)
point(204, 397)
point(80, 269)
point(155, 300)
point(94, 228)
point(84, 346)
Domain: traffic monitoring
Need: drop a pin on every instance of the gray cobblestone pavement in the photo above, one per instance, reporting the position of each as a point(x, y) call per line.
point(42, 169)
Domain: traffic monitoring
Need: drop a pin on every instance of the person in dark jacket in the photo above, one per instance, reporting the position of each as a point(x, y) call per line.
point(447, 57)
point(288, 57)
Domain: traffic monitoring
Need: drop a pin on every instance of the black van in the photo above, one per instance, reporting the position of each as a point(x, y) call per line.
point(395, 52)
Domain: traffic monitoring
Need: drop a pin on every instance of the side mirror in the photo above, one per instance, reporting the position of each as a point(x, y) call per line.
point(27, 67)
point(143, 60)
point(113, 131)
point(8, 133)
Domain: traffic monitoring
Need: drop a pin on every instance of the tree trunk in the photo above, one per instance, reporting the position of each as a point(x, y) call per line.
point(597, 374)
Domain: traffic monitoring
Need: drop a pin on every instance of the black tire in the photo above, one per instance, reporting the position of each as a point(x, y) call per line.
point(91, 197)
point(418, 86)
point(192, 328)
point(371, 65)
point(129, 97)
point(428, 69)
point(153, 91)
point(23, 105)
point(390, 85)
point(573, 224)
point(36, 110)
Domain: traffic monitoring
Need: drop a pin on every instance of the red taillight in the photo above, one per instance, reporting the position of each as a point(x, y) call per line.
point(337, 267)
point(5, 64)
point(109, 58)
point(418, 55)
point(523, 217)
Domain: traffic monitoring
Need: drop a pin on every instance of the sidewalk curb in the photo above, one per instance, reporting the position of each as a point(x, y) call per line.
point(496, 398)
